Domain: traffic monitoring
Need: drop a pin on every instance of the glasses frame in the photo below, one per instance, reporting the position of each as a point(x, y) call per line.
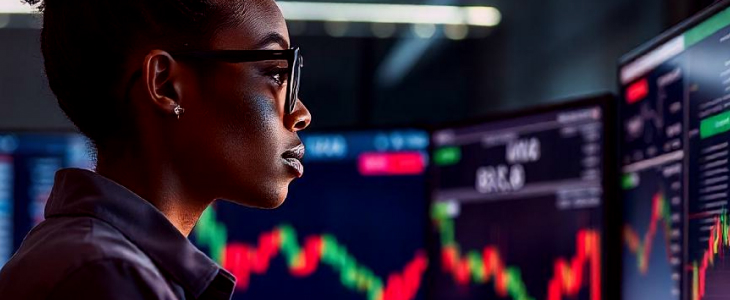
point(292, 56)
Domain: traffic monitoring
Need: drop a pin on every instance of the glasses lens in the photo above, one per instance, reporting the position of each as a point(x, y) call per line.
point(296, 74)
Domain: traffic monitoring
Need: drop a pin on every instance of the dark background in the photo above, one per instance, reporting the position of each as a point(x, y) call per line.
point(542, 51)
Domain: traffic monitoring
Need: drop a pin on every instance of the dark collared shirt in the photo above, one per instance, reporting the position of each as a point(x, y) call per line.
point(101, 241)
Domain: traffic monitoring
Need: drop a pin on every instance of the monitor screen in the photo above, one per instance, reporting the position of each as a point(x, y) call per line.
point(675, 120)
point(517, 206)
point(352, 228)
point(28, 163)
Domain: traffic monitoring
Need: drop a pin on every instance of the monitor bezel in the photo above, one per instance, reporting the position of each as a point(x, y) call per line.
point(611, 210)
point(669, 34)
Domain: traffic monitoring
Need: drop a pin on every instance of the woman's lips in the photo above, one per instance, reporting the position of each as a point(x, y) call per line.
point(293, 158)
point(295, 164)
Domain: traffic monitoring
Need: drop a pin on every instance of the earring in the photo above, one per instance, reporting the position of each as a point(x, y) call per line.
point(178, 111)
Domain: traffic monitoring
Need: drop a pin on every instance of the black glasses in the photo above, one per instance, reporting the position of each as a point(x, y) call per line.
point(294, 60)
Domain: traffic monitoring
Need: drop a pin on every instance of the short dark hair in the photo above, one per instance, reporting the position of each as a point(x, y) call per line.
point(87, 43)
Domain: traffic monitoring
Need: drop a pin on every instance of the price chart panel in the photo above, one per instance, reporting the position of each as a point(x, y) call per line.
point(352, 228)
point(675, 121)
point(708, 96)
point(652, 185)
point(517, 208)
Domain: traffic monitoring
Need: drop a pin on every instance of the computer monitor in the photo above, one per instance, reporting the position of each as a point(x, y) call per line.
point(352, 228)
point(675, 120)
point(518, 205)
point(28, 162)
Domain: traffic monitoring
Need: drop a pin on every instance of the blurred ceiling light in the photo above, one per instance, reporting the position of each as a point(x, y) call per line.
point(16, 7)
point(357, 12)
point(456, 32)
point(424, 31)
point(383, 30)
point(390, 13)
point(336, 29)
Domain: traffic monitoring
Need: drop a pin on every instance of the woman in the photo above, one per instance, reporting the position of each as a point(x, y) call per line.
point(185, 101)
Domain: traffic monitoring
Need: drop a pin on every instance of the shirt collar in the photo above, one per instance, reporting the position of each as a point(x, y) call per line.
point(83, 192)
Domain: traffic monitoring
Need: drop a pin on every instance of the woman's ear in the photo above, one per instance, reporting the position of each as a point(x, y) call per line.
point(162, 81)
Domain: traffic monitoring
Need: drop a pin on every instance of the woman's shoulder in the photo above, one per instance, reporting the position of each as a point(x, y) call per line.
point(79, 239)
point(59, 247)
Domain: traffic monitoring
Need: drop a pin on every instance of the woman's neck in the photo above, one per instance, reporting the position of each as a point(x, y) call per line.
point(149, 178)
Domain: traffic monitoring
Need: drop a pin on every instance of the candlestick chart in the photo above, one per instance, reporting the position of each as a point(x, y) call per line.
point(244, 260)
point(513, 219)
point(708, 273)
point(576, 275)
point(652, 233)
point(352, 228)
point(641, 245)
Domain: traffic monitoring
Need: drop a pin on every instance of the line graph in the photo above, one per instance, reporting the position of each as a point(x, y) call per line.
point(717, 245)
point(642, 246)
point(488, 265)
point(244, 260)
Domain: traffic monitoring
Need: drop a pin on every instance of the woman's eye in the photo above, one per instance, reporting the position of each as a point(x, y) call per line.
point(279, 77)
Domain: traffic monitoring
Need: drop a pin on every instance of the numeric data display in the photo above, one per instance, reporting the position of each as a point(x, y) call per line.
point(517, 204)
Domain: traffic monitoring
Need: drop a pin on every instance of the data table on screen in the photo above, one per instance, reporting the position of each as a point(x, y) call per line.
point(28, 163)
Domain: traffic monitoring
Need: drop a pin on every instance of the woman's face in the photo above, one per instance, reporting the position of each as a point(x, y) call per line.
point(241, 142)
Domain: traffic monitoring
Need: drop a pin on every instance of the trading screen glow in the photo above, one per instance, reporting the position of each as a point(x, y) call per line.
point(28, 162)
point(517, 208)
point(674, 148)
point(351, 228)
